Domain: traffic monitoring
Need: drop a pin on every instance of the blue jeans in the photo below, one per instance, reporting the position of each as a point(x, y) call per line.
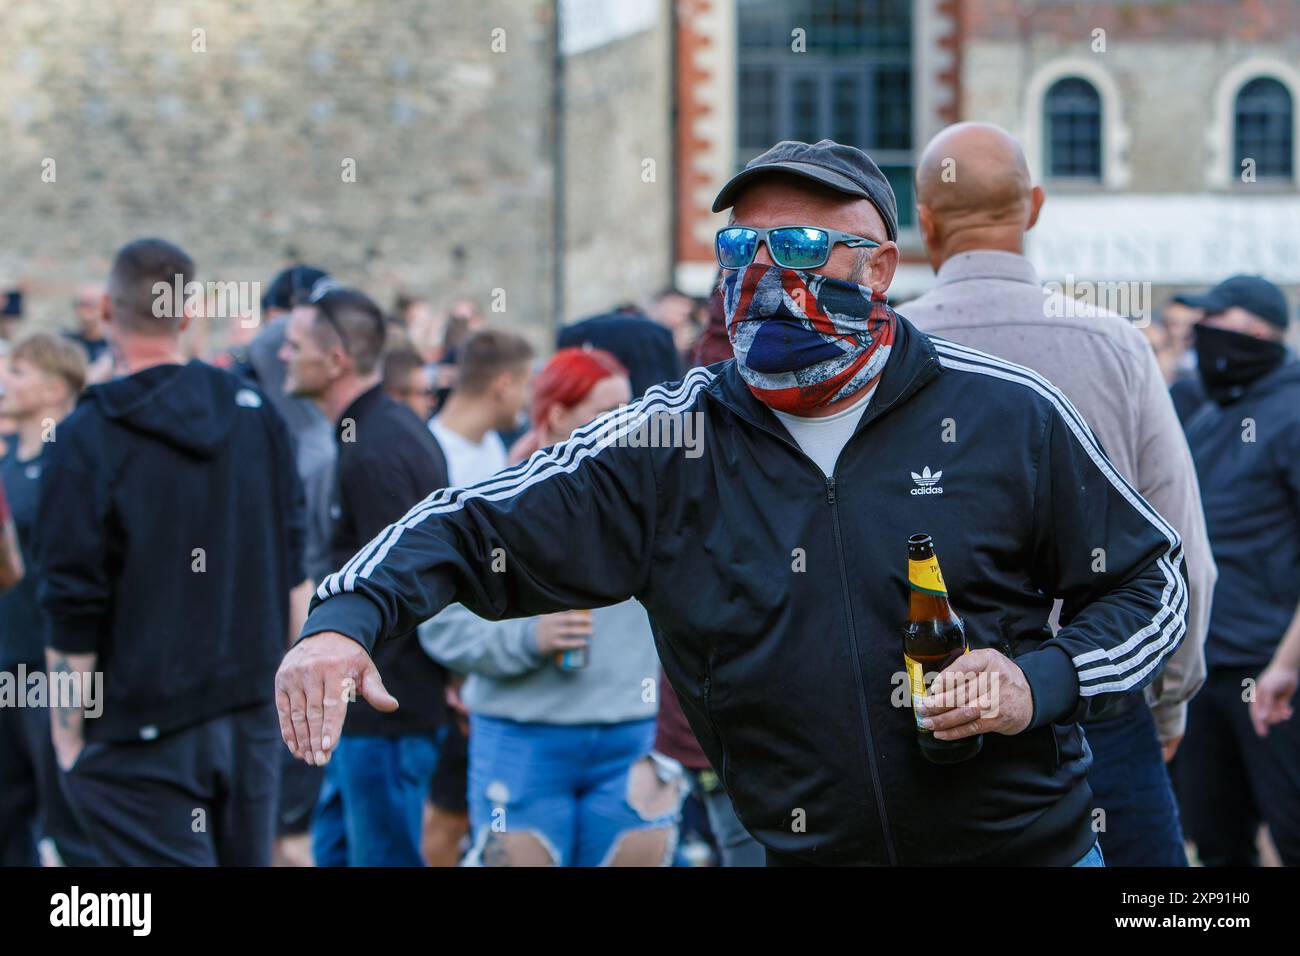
point(1092, 858)
point(372, 799)
point(1130, 782)
point(566, 784)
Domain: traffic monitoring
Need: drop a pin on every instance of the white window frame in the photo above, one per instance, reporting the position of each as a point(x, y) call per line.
point(1221, 133)
point(1115, 172)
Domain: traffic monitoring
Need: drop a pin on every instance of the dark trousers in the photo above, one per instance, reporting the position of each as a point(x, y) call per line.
point(32, 804)
point(1131, 784)
point(202, 796)
point(1231, 780)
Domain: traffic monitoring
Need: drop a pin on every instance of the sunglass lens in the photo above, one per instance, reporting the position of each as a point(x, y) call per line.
point(798, 248)
point(736, 247)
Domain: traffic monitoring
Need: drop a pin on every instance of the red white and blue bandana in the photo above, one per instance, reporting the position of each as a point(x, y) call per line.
point(803, 340)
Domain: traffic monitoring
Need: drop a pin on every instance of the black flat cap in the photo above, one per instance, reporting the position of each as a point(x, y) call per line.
point(846, 169)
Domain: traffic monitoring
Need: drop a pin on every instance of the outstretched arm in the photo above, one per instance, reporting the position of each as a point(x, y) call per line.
point(571, 527)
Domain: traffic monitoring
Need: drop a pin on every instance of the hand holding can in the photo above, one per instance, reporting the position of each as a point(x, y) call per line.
point(566, 636)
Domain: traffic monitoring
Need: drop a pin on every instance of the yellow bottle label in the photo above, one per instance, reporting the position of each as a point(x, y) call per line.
point(916, 680)
point(916, 683)
point(926, 576)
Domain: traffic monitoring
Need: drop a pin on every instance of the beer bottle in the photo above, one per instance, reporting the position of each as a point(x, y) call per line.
point(933, 638)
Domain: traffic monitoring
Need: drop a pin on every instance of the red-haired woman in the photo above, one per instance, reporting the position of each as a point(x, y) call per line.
point(560, 764)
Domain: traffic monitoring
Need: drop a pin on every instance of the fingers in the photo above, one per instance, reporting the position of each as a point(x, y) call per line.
point(950, 689)
point(375, 693)
point(298, 719)
point(1258, 719)
point(971, 728)
point(1267, 710)
point(572, 622)
point(315, 698)
point(959, 703)
point(282, 709)
point(568, 643)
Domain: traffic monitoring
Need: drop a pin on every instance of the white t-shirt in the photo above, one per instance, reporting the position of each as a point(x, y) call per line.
point(468, 462)
point(822, 439)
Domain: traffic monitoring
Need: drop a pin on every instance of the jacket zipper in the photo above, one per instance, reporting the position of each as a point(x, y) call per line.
point(848, 606)
point(857, 672)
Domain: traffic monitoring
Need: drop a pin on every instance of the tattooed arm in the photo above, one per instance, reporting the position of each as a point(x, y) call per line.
point(67, 723)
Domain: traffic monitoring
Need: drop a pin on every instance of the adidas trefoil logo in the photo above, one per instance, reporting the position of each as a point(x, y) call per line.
point(926, 483)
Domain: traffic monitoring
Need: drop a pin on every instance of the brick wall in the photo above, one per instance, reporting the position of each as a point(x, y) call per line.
point(236, 151)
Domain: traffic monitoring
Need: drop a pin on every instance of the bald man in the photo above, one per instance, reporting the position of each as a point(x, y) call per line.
point(88, 306)
point(975, 202)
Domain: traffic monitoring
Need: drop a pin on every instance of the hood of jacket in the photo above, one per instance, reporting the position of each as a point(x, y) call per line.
point(191, 407)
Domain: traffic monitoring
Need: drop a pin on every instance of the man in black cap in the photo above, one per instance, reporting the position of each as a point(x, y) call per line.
point(772, 556)
point(1245, 440)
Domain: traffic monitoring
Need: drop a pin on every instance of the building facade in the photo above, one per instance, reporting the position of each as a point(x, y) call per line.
point(1164, 132)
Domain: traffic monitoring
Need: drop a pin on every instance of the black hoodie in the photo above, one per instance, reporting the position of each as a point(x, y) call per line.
point(169, 535)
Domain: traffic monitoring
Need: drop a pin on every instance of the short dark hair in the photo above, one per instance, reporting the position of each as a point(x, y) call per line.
point(359, 324)
point(292, 286)
point(138, 268)
point(486, 355)
point(398, 366)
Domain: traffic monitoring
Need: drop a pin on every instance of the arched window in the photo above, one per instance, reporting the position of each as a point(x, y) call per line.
point(1262, 129)
point(1072, 122)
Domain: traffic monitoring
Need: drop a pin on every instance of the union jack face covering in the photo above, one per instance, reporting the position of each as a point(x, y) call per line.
point(803, 340)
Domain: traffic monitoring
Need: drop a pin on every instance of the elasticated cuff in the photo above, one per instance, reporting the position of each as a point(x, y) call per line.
point(1054, 683)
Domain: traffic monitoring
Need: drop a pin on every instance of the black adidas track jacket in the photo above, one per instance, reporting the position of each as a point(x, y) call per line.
point(777, 595)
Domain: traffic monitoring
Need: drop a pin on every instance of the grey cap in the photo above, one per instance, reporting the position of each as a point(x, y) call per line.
point(846, 169)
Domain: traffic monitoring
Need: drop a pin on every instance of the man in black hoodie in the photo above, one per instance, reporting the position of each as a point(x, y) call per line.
point(168, 539)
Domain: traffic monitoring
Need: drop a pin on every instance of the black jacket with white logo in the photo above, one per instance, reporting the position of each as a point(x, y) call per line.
point(778, 595)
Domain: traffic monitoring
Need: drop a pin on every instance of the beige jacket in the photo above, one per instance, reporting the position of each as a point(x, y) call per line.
point(994, 302)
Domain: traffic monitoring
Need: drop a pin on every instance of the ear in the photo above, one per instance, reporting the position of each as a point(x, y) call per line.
point(53, 390)
point(925, 222)
point(1036, 198)
point(194, 307)
point(555, 421)
point(105, 309)
point(884, 262)
point(502, 384)
point(337, 361)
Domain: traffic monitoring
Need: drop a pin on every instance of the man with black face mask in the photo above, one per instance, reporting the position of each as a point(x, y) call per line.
point(760, 509)
point(1245, 440)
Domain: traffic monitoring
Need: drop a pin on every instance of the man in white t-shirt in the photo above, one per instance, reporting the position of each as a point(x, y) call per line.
point(488, 398)
point(490, 394)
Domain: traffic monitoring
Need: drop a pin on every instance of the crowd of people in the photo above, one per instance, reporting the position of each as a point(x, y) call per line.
point(388, 588)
